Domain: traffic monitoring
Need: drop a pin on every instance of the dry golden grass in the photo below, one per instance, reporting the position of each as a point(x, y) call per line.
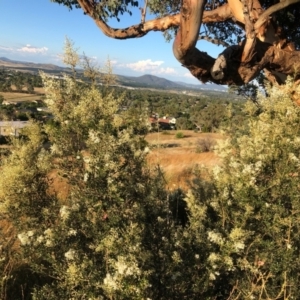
point(59, 186)
point(16, 97)
point(178, 158)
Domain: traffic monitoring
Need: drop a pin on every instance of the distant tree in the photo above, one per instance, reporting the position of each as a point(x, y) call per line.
point(29, 85)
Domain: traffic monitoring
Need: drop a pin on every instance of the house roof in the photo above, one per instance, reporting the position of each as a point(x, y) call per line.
point(14, 124)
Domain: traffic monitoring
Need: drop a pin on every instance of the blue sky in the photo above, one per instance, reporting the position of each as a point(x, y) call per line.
point(35, 31)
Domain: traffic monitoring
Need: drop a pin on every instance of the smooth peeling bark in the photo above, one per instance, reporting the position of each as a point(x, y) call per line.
point(263, 18)
point(282, 61)
point(230, 67)
point(187, 35)
point(219, 14)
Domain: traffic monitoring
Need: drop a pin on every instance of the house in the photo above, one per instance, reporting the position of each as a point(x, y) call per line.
point(12, 128)
point(164, 123)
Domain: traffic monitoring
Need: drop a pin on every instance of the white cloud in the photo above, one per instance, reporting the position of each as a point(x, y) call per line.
point(6, 49)
point(145, 65)
point(188, 75)
point(164, 71)
point(30, 49)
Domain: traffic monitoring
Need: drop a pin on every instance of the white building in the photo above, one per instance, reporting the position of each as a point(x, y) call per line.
point(12, 128)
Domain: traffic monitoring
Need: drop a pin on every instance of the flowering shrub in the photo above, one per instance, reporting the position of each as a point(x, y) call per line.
point(118, 234)
point(112, 236)
point(253, 218)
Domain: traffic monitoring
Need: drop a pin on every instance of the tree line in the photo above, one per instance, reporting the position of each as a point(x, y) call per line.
point(17, 81)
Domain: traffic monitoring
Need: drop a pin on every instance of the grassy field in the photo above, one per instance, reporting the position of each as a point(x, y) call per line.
point(179, 157)
point(17, 97)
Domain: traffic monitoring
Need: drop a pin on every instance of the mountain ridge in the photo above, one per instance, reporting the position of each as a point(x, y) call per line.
point(146, 80)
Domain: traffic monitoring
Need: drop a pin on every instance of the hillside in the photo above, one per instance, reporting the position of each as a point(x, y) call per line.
point(144, 81)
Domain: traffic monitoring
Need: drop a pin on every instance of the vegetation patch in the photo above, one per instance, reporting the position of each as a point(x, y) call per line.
point(179, 135)
point(119, 233)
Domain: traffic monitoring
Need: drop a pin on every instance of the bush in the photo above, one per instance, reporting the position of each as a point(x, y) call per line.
point(252, 218)
point(118, 234)
point(205, 145)
point(108, 237)
point(179, 135)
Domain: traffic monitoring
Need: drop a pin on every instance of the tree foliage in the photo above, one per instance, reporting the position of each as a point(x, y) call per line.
point(259, 36)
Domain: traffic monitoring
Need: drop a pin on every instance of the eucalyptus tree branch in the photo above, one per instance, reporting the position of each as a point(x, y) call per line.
point(249, 46)
point(265, 15)
point(190, 21)
point(220, 14)
point(144, 10)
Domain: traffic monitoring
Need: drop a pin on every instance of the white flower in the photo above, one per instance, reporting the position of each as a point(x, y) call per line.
point(297, 140)
point(49, 236)
point(30, 233)
point(258, 165)
point(85, 177)
point(196, 256)
point(24, 238)
point(110, 282)
point(40, 239)
point(159, 219)
point(252, 181)
point(70, 255)
point(93, 137)
point(72, 232)
point(216, 171)
point(64, 212)
point(247, 169)
point(146, 150)
point(239, 246)
point(55, 149)
point(215, 237)
point(121, 267)
point(213, 257)
point(225, 193)
point(293, 157)
point(49, 243)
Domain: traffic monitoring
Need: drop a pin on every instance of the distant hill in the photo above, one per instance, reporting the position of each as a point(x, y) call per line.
point(149, 81)
point(208, 86)
point(6, 62)
point(144, 81)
